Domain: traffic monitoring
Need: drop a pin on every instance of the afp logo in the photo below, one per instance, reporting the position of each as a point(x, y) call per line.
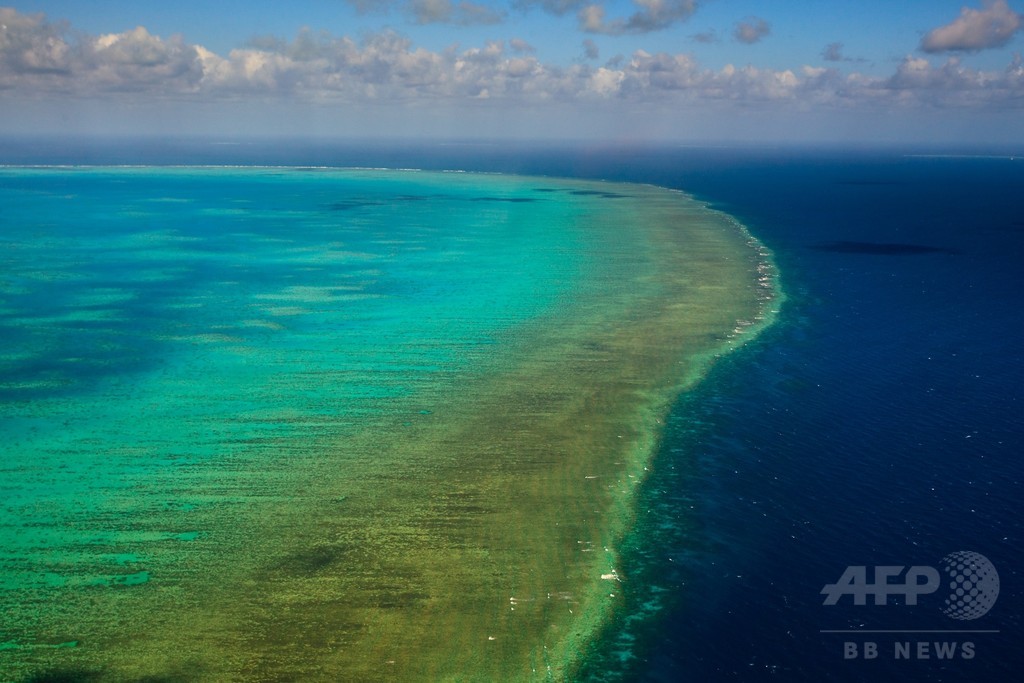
point(970, 579)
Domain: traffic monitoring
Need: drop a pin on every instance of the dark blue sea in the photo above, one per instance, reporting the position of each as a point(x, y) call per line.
point(878, 423)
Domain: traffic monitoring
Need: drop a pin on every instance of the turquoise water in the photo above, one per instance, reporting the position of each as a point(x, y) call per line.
point(382, 425)
point(155, 320)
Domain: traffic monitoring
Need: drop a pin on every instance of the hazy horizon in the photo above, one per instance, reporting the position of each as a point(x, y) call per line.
point(617, 71)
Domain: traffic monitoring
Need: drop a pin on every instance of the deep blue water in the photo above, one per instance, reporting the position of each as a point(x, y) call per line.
point(877, 424)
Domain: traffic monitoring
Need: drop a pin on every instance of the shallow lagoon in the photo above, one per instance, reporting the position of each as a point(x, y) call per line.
point(384, 425)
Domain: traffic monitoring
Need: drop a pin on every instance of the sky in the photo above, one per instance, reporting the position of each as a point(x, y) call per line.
point(712, 71)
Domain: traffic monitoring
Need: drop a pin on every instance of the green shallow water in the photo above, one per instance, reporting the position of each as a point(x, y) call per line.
point(286, 424)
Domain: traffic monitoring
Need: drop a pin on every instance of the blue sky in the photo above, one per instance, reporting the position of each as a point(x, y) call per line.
point(688, 70)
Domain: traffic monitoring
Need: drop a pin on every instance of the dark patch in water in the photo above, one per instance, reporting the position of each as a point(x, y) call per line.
point(514, 200)
point(880, 248)
point(352, 204)
point(870, 182)
point(598, 193)
point(66, 676)
point(312, 560)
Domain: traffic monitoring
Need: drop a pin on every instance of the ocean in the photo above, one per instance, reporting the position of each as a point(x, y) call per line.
point(879, 423)
point(876, 423)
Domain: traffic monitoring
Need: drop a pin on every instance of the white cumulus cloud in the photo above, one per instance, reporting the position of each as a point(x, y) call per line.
point(40, 59)
point(448, 12)
point(650, 15)
point(32, 48)
point(752, 30)
point(992, 26)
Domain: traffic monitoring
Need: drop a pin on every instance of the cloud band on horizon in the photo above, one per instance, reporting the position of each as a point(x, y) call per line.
point(42, 60)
